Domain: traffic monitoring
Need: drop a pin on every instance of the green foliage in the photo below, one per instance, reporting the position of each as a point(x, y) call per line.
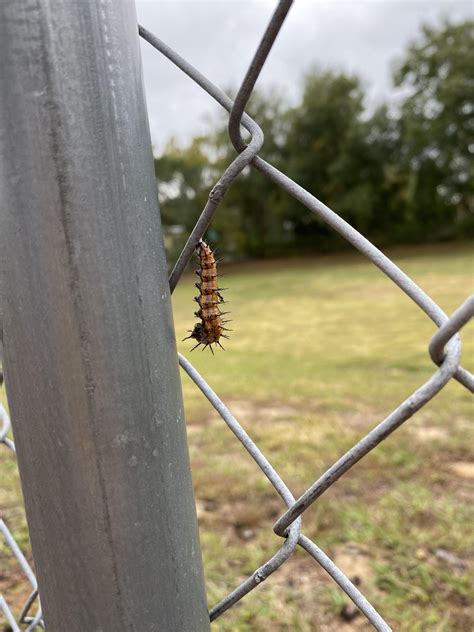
point(399, 174)
point(437, 127)
point(327, 152)
point(184, 177)
point(254, 204)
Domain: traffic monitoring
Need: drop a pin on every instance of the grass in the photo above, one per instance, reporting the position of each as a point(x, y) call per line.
point(323, 349)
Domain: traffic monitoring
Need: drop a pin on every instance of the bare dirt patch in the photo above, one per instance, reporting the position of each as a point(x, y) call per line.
point(463, 469)
point(14, 586)
point(309, 581)
point(426, 433)
point(239, 519)
point(354, 561)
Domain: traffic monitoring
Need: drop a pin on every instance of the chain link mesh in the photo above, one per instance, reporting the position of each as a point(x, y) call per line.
point(444, 350)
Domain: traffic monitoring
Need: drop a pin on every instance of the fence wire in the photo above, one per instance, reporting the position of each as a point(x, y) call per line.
point(444, 350)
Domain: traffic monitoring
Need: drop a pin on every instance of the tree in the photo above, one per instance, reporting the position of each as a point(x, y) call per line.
point(253, 202)
point(399, 174)
point(181, 181)
point(327, 153)
point(437, 129)
point(247, 220)
point(184, 177)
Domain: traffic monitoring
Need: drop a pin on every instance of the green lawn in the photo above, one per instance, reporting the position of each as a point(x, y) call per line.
point(322, 350)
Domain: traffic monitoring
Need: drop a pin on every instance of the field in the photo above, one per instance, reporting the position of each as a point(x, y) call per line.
point(322, 350)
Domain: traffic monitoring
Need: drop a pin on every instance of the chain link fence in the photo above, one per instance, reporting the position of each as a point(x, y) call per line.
point(444, 350)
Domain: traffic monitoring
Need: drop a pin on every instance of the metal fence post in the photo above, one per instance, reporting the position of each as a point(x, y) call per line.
point(90, 357)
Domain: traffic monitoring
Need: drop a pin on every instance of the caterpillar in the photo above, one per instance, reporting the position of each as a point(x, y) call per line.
point(211, 326)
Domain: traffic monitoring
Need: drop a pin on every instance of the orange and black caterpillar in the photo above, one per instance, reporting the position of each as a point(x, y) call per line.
point(211, 328)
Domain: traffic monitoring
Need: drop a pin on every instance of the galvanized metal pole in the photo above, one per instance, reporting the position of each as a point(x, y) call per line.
point(90, 356)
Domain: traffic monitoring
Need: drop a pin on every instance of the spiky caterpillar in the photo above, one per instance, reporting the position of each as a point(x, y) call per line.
point(211, 328)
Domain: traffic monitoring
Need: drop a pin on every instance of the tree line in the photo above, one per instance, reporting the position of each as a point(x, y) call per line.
point(399, 174)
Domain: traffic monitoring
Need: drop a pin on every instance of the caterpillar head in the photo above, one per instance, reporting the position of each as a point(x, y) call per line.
point(199, 333)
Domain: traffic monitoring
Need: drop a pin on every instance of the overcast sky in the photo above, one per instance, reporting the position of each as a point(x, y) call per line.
point(220, 38)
